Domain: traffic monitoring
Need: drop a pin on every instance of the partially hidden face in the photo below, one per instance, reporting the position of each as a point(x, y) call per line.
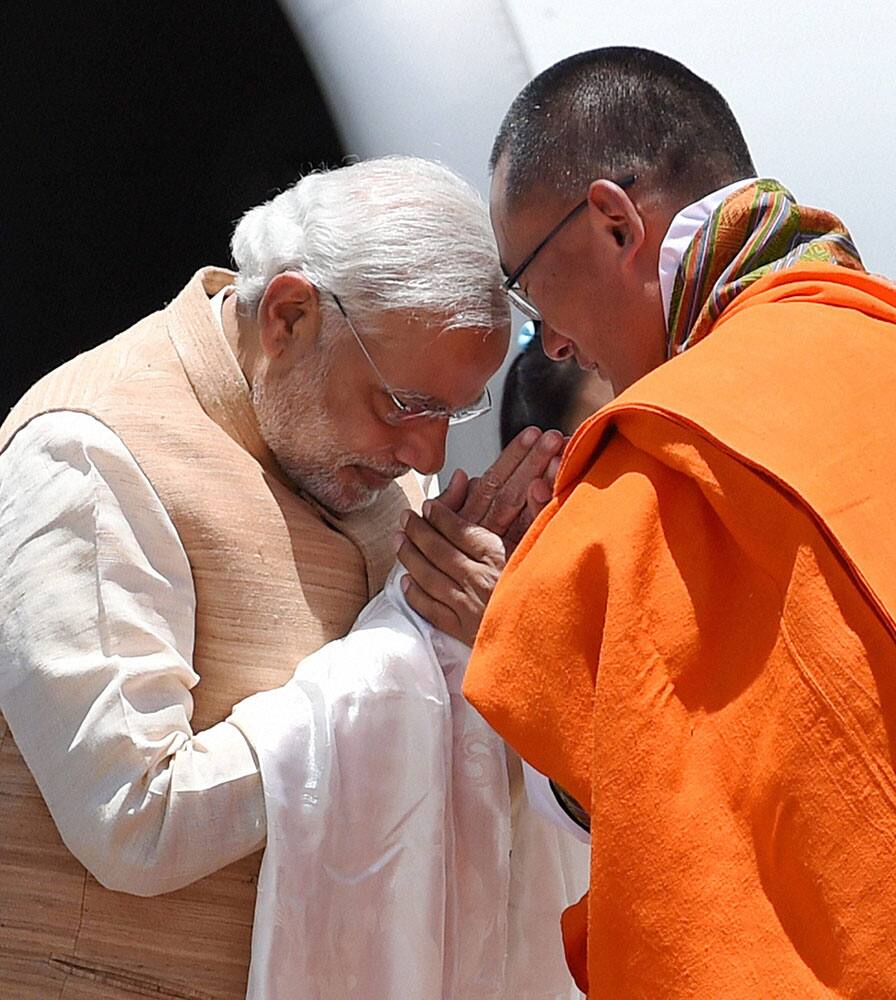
point(331, 424)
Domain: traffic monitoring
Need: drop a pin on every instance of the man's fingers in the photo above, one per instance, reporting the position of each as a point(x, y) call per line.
point(428, 576)
point(483, 490)
point(455, 492)
point(539, 494)
point(432, 610)
point(442, 525)
point(479, 497)
point(453, 608)
point(449, 577)
point(511, 498)
point(442, 554)
point(554, 466)
point(537, 498)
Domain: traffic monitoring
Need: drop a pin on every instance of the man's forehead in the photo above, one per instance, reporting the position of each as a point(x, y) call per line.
point(444, 368)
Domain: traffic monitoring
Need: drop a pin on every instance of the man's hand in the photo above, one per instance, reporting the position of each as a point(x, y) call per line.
point(456, 551)
point(452, 566)
point(511, 493)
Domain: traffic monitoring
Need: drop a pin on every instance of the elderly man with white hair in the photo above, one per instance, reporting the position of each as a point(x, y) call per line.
point(192, 517)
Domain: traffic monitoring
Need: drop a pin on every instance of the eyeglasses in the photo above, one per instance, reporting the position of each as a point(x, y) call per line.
point(511, 285)
point(410, 409)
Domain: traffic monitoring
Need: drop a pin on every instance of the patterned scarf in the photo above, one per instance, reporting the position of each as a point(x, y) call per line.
point(758, 229)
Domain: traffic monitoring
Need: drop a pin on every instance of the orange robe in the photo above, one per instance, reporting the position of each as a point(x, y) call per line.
point(696, 640)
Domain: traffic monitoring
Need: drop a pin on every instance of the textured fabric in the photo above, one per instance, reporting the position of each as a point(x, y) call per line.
point(680, 234)
point(392, 868)
point(275, 577)
point(97, 685)
point(758, 228)
point(696, 640)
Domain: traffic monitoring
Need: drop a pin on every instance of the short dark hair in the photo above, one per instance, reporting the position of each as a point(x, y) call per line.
point(617, 111)
point(538, 392)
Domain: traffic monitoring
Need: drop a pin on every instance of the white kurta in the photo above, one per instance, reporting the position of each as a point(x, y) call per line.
point(97, 612)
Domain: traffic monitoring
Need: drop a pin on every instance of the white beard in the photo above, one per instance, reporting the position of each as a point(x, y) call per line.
point(295, 425)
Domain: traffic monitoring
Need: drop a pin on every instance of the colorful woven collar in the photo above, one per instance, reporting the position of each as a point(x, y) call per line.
point(758, 229)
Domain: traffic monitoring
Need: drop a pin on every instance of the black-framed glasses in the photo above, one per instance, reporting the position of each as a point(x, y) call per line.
point(408, 408)
point(511, 284)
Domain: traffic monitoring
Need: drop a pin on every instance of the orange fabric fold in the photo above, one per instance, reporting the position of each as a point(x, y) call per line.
point(574, 925)
point(696, 640)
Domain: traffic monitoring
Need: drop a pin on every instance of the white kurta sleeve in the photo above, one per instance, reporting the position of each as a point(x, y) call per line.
point(97, 611)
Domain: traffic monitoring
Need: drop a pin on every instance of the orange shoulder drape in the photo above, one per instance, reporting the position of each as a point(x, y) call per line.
point(696, 640)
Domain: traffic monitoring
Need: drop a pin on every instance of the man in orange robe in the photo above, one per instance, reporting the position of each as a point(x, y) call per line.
point(695, 641)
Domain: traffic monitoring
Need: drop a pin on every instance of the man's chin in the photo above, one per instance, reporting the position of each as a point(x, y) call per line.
point(340, 499)
point(350, 501)
point(354, 488)
point(361, 486)
point(346, 489)
point(373, 479)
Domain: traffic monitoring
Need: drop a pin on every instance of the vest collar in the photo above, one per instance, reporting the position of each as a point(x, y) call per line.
point(212, 368)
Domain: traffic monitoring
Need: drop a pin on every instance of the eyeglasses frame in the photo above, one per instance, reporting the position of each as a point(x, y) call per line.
point(454, 417)
point(515, 294)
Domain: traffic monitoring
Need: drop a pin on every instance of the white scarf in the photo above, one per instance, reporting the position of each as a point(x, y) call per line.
point(388, 870)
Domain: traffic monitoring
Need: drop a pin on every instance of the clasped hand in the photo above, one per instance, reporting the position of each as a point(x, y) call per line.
point(455, 552)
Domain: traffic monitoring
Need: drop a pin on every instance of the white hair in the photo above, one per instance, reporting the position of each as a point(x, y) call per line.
point(397, 233)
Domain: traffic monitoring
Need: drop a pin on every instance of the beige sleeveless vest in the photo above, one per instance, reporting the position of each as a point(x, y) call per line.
point(275, 576)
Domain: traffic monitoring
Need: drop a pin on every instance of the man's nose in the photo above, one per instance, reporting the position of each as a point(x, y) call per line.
point(422, 444)
point(555, 345)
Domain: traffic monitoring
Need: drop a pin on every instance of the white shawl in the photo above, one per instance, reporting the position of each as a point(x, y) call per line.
point(388, 869)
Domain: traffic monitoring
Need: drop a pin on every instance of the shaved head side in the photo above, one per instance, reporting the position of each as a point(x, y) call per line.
point(616, 111)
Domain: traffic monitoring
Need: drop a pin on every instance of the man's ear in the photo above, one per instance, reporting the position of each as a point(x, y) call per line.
point(614, 217)
point(289, 317)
